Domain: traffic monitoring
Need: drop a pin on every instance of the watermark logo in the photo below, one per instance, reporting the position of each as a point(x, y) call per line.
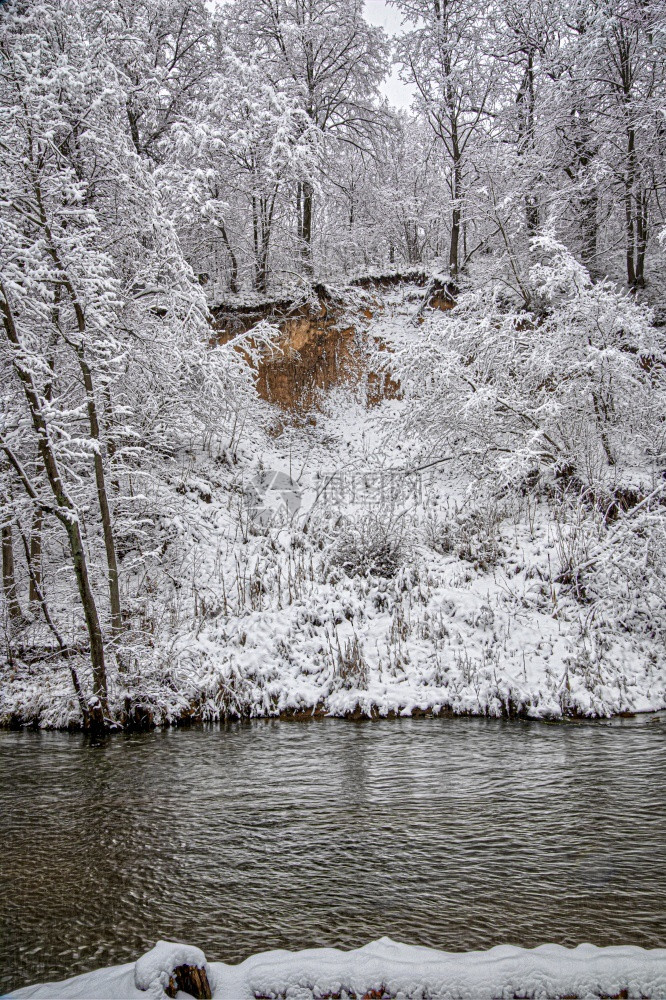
point(385, 487)
point(271, 491)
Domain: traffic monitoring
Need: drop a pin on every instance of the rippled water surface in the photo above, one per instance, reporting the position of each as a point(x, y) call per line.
point(455, 833)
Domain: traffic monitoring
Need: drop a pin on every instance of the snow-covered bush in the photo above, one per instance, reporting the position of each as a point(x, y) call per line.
point(351, 669)
point(370, 545)
point(571, 384)
point(471, 532)
point(619, 572)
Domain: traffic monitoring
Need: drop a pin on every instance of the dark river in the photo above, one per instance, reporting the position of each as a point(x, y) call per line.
point(454, 833)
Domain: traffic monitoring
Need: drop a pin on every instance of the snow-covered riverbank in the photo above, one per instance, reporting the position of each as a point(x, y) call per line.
point(351, 605)
point(384, 969)
point(319, 573)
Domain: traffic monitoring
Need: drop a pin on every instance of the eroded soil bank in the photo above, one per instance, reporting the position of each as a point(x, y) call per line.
point(324, 337)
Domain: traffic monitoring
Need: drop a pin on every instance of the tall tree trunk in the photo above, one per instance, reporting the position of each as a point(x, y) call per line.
point(35, 553)
point(455, 220)
point(629, 235)
point(532, 215)
point(456, 192)
point(532, 204)
point(411, 238)
point(98, 461)
point(260, 274)
point(307, 217)
point(526, 138)
point(636, 218)
point(259, 281)
point(233, 261)
point(133, 121)
point(585, 148)
point(64, 510)
point(103, 499)
point(588, 202)
point(626, 68)
point(9, 576)
point(641, 237)
point(263, 258)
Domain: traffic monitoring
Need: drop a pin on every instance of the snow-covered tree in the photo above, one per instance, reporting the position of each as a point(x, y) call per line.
point(446, 56)
point(329, 60)
point(163, 52)
point(565, 388)
point(248, 141)
point(105, 334)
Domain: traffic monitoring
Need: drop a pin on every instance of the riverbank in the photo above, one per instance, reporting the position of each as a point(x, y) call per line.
point(39, 697)
point(384, 970)
point(332, 565)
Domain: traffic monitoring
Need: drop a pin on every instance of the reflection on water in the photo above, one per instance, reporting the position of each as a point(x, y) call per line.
point(455, 833)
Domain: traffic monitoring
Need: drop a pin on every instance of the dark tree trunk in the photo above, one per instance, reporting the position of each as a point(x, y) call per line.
point(103, 500)
point(258, 244)
point(98, 461)
point(641, 237)
point(9, 575)
point(306, 217)
point(133, 122)
point(455, 241)
point(526, 138)
point(629, 229)
point(456, 191)
point(588, 223)
point(233, 261)
point(36, 556)
point(64, 510)
point(411, 236)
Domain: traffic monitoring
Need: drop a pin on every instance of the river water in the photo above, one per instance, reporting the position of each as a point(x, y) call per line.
point(455, 833)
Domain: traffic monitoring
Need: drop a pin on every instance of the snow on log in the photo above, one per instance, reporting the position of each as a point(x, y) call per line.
point(387, 970)
point(175, 967)
point(384, 970)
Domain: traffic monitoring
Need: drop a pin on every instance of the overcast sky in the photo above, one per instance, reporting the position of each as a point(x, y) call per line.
point(379, 13)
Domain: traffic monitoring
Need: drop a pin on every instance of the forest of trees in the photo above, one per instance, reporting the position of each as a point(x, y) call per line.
point(160, 155)
point(262, 126)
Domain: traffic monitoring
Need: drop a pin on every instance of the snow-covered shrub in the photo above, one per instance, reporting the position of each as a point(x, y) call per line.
point(470, 532)
point(371, 545)
point(572, 382)
point(619, 571)
point(351, 668)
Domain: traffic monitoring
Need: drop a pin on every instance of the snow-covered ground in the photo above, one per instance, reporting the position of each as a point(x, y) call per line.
point(384, 969)
point(318, 573)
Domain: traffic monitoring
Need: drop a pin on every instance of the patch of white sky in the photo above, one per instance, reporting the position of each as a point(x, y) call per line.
point(379, 13)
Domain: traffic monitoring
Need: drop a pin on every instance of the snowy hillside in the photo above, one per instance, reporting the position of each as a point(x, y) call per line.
point(320, 573)
point(474, 520)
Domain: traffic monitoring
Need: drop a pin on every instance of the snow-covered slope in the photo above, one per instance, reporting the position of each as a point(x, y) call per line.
point(319, 573)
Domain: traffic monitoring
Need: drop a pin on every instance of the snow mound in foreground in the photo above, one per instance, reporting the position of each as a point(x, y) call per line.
point(159, 964)
point(386, 969)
